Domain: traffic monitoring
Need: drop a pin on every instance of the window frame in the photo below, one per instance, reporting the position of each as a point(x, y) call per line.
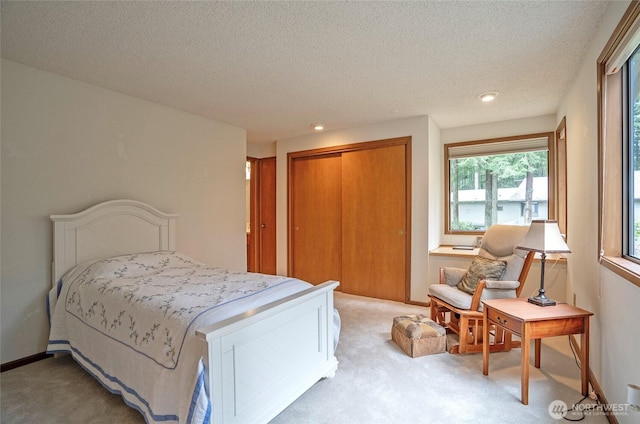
point(611, 237)
point(561, 181)
point(627, 167)
point(551, 171)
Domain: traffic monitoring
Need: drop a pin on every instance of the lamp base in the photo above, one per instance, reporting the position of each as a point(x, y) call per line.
point(542, 300)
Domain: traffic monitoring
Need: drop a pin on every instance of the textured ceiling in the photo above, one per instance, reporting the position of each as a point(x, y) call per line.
point(274, 68)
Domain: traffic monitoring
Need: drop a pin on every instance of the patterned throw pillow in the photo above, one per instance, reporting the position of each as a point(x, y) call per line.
point(481, 269)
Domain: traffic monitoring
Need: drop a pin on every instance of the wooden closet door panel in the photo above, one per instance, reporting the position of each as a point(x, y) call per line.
point(267, 216)
point(316, 218)
point(373, 222)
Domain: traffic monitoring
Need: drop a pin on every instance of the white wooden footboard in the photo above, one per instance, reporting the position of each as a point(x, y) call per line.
point(261, 361)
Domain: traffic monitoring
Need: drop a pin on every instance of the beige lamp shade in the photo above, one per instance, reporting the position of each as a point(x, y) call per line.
point(544, 236)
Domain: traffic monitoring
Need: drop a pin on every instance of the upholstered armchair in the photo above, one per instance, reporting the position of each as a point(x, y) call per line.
point(499, 271)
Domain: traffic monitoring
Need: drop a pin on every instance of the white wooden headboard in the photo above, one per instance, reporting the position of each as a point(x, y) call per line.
point(112, 228)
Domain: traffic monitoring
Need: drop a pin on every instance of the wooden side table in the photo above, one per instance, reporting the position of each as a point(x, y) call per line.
point(530, 321)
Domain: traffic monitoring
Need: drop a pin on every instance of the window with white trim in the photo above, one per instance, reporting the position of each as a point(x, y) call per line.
point(498, 181)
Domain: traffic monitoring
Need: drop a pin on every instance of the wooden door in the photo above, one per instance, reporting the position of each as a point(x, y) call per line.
point(315, 223)
point(267, 216)
point(374, 227)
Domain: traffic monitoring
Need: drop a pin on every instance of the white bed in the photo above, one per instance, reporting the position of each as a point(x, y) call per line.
point(242, 358)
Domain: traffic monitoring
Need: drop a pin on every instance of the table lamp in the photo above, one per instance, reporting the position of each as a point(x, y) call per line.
point(544, 237)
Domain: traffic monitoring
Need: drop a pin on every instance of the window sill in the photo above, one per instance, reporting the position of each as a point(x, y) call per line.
point(624, 268)
point(451, 252)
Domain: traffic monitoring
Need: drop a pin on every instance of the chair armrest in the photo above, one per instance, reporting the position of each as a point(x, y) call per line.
point(451, 276)
point(503, 285)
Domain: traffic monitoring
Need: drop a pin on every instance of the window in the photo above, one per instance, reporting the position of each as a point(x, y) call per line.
point(631, 155)
point(498, 181)
point(619, 148)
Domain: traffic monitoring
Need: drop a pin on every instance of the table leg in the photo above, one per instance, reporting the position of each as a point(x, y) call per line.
point(537, 353)
point(485, 343)
point(584, 357)
point(524, 365)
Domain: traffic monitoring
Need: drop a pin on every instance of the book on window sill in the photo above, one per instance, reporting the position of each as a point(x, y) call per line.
point(463, 247)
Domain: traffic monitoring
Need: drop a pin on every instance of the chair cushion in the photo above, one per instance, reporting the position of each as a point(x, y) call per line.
point(462, 300)
point(451, 295)
point(452, 276)
point(501, 240)
point(505, 292)
point(514, 267)
point(481, 269)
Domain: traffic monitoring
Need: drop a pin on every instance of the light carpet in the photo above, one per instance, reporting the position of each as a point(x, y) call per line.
point(376, 382)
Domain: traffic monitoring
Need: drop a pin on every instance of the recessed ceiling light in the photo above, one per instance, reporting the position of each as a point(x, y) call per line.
point(317, 127)
point(488, 96)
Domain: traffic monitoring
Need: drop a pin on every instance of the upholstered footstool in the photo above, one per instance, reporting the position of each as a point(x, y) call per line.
point(417, 335)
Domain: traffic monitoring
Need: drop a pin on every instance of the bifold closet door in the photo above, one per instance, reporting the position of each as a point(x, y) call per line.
point(374, 222)
point(316, 193)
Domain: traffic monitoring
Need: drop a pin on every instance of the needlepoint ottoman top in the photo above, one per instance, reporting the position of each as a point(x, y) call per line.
point(418, 326)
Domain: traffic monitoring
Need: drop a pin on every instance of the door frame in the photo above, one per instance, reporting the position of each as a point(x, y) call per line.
point(406, 141)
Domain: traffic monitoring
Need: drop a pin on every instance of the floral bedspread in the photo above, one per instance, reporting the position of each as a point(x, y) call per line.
point(149, 301)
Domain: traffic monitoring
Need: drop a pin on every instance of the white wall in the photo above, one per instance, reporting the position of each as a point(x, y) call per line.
point(531, 125)
point(261, 150)
point(418, 129)
point(436, 189)
point(67, 145)
point(615, 337)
